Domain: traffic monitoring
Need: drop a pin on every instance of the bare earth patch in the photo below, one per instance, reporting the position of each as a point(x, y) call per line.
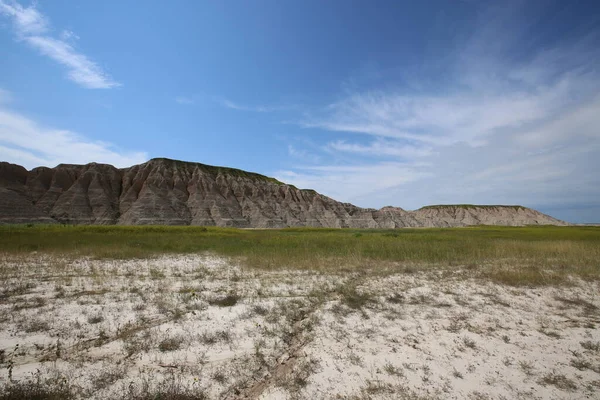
point(200, 326)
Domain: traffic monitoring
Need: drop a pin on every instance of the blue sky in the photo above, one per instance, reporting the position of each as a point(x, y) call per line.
point(399, 103)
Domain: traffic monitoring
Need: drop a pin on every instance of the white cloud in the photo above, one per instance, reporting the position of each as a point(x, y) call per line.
point(348, 182)
point(302, 155)
point(260, 109)
point(27, 21)
point(25, 142)
point(381, 147)
point(68, 36)
point(32, 28)
point(492, 131)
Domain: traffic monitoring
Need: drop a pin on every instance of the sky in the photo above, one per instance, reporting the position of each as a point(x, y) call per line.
point(399, 103)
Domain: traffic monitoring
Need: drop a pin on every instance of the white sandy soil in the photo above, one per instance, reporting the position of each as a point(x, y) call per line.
point(113, 329)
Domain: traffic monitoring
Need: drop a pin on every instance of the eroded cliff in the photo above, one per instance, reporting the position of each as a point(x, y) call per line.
point(169, 192)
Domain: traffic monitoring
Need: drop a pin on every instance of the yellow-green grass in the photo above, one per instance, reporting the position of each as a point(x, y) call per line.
point(514, 255)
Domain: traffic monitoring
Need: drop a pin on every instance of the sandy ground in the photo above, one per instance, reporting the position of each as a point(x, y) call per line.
point(116, 329)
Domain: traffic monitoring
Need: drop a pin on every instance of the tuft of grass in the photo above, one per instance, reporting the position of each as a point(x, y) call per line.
point(170, 344)
point(558, 380)
point(580, 364)
point(353, 298)
point(591, 346)
point(396, 298)
point(526, 367)
point(470, 343)
point(228, 301)
point(578, 302)
point(38, 389)
point(95, 319)
point(170, 389)
point(391, 369)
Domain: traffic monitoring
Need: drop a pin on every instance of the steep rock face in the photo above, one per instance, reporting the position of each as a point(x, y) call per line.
point(169, 192)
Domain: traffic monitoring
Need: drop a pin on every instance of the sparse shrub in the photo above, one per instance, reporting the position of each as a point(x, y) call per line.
point(589, 345)
point(219, 376)
point(108, 375)
point(457, 374)
point(354, 299)
point(170, 389)
point(170, 344)
point(156, 273)
point(260, 310)
point(396, 298)
point(581, 364)
point(228, 301)
point(393, 370)
point(38, 389)
point(558, 380)
point(526, 367)
point(421, 299)
point(95, 319)
point(210, 338)
point(37, 326)
point(137, 343)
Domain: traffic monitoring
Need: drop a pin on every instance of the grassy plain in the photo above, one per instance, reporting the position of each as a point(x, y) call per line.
point(513, 255)
point(200, 313)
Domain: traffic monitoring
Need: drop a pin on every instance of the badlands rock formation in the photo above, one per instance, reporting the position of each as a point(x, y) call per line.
point(169, 192)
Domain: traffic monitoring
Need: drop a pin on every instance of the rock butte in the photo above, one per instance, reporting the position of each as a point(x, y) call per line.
point(169, 192)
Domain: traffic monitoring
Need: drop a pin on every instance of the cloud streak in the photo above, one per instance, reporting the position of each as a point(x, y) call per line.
point(240, 107)
point(33, 28)
point(25, 142)
point(523, 131)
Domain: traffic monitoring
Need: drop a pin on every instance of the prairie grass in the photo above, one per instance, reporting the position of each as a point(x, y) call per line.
point(543, 255)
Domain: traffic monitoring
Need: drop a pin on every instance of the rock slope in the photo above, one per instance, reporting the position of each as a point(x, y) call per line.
point(169, 192)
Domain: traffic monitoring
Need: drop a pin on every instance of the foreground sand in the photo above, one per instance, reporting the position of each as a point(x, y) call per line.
point(203, 326)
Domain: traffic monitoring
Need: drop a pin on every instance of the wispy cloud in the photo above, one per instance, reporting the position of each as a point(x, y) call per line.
point(350, 182)
point(33, 28)
point(25, 142)
point(497, 129)
point(381, 147)
point(259, 108)
point(303, 155)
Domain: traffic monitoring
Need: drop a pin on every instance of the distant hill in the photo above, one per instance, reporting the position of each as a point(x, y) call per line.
point(169, 192)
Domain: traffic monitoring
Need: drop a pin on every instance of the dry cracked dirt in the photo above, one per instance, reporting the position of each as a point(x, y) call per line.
point(201, 326)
